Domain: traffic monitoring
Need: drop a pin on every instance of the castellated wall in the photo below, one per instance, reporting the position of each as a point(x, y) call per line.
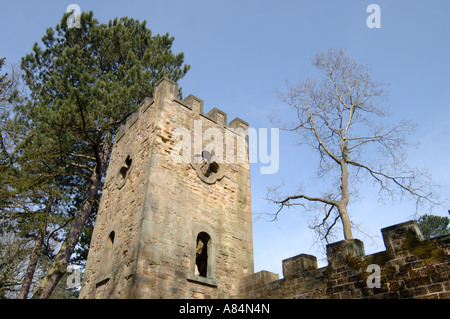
point(153, 209)
point(410, 267)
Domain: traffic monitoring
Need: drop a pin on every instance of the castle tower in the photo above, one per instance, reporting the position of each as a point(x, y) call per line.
point(175, 216)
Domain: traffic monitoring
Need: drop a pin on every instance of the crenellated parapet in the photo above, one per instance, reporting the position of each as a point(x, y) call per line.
point(168, 90)
point(410, 267)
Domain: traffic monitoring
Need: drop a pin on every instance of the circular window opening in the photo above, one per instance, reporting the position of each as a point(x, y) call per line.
point(206, 167)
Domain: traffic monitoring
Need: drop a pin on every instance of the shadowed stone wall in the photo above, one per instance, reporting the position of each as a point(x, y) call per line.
point(410, 267)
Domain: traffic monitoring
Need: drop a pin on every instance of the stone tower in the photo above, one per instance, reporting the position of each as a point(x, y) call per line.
point(175, 216)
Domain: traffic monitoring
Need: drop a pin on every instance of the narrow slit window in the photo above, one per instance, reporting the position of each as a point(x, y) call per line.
point(108, 251)
point(106, 259)
point(202, 257)
point(111, 240)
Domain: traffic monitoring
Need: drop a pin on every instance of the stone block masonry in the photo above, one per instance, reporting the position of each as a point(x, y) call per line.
point(183, 229)
point(169, 229)
point(410, 267)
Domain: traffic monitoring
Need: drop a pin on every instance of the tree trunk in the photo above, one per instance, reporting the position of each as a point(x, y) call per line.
point(61, 261)
point(346, 222)
point(28, 279)
point(342, 206)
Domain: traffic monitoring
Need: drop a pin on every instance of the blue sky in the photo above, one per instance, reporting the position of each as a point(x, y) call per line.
point(242, 51)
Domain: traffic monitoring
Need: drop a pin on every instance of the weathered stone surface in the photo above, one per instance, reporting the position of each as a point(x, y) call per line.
point(295, 265)
point(409, 268)
point(153, 211)
point(157, 207)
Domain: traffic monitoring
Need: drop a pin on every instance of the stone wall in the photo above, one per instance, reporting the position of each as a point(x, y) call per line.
point(153, 208)
point(410, 267)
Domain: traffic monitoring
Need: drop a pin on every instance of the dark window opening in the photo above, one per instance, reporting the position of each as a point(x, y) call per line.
point(111, 238)
point(213, 168)
point(206, 164)
point(201, 256)
point(126, 168)
point(108, 251)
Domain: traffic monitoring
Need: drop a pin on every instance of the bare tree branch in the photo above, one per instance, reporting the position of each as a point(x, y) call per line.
point(340, 117)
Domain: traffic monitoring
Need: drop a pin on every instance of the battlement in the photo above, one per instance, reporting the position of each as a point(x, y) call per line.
point(410, 267)
point(168, 90)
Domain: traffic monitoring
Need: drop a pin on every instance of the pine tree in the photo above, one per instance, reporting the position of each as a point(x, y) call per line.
point(433, 226)
point(33, 192)
point(84, 83)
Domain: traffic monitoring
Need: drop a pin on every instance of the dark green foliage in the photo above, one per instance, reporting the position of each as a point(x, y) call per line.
point(432, 226)
point(83, 84)
point(89, 79)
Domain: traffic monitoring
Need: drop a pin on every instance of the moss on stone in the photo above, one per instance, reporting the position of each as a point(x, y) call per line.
point(361, 263)
point(426, 250)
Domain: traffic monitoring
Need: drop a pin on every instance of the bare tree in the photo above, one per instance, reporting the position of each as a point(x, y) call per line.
point(343, 118)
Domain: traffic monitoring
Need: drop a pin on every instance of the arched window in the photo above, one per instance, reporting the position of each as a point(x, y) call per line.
point(201, 254)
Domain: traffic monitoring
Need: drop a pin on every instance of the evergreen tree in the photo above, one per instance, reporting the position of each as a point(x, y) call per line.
point(84, 83)
point(35, 194)
point(434, 226)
